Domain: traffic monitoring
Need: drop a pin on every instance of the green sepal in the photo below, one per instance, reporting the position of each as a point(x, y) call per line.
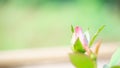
point(72, 29)
point(78, 47)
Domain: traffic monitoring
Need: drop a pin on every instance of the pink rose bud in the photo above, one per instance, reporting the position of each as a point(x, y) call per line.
point(78, 33)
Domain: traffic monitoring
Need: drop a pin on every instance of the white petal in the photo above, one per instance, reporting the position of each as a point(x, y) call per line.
point(73, 39)
point(87, 35)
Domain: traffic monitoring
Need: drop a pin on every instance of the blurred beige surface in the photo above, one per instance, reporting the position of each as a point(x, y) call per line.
point(56, 65)
point(48, 56)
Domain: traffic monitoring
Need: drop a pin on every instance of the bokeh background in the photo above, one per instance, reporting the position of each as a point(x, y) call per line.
point(36, 32)
point(46, 23)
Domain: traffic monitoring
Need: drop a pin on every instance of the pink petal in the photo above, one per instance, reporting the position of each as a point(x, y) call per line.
point(79, 33)
point(76, 34)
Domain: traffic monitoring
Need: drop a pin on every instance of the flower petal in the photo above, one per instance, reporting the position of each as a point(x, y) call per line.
point(78, 33)
point(73, 39)
point(87, 35)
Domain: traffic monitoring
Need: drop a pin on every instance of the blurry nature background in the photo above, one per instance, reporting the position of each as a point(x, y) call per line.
point(46, 23)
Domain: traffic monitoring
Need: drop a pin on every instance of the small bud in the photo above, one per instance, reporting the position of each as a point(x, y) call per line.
point(93, 56)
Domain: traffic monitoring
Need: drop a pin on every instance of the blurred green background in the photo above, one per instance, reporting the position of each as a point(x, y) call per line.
point(46, 23)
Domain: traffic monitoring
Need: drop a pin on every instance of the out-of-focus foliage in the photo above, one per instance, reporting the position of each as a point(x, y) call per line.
point(39, 23)
point(115, 58)
point(116, 67)
point(114, 61)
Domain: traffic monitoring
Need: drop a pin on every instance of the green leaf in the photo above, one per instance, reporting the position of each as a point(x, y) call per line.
point(78, 47)
point(80, 60)
point(115, 67)
point(72, 29)
point(115, 58)
point(96, 34)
